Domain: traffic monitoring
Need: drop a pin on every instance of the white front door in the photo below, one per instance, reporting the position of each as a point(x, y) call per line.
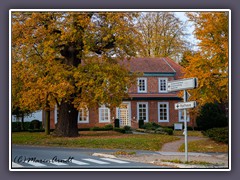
point(124, 114)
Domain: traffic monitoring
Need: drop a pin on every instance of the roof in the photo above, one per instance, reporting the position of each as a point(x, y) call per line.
point(153, 65)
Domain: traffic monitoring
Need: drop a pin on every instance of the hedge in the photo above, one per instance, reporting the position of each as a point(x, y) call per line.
point(218, 134)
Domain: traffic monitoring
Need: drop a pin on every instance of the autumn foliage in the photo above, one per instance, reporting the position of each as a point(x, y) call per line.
point(210, 61)
point(48, 50)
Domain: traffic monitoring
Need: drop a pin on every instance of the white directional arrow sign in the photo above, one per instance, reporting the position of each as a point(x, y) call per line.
point(182, 84)
point(185, 105)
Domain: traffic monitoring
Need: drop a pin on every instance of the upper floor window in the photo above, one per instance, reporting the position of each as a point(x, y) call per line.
point(104, 114)
point(162, 83)
point(142, 85)
point(83, 115)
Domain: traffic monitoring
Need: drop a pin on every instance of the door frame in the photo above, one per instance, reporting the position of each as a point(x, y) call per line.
point(129, 112)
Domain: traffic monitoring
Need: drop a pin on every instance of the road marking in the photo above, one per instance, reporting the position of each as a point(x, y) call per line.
point(96, 161)
point(59, 163)
point(15, 165)
point(78, 162)
point(37, 164)
point(115, 160)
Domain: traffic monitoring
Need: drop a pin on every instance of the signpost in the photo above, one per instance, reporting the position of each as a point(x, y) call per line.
point(185, 105)
point(184, 84)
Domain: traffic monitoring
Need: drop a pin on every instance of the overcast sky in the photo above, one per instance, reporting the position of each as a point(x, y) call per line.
point(189, 28)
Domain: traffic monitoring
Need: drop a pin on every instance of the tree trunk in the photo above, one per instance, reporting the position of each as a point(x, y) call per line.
point(47, 122)
point(22, 122)
point(67, 124)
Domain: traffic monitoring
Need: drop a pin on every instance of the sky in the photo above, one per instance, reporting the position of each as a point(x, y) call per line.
point(189, 28)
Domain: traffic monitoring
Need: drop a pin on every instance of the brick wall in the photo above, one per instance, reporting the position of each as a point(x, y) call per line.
point(152, 85)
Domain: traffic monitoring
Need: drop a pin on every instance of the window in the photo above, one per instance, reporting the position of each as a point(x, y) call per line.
point(142, 85)
point(104, 114)
point(162, 83)
point(181, 116)
point(163, 112)
point(142, 111)
point(56, 114)
point(83, 115)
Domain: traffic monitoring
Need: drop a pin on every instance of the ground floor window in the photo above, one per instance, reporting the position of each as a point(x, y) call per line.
point(142, 111)
point(104, 114)
point(83, 115)
point(56, 114)
point(163, 112)
point(181, 116)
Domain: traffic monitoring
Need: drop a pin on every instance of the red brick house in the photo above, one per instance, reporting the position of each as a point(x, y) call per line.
point(148, 100)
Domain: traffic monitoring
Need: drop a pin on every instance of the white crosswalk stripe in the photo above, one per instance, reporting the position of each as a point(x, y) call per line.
point(79, 162)
point(96, 161)
point(72, 162)
point(37, 164)
point(115, 160)
point(15, 165)
point(58, 163)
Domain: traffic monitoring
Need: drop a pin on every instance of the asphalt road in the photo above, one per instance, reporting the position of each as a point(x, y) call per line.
point(31, 157)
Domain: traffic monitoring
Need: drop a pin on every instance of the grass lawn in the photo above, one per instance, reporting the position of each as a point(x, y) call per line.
point(206, 145)
point(96, 139)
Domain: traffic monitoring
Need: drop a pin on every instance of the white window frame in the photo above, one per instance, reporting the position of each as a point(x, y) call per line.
point(181, 114)
point(56, 114)
point(145, 84)
point(100, 111)
point(159, 85)
point(79, 114)
point(145, 103)
point(167, 103)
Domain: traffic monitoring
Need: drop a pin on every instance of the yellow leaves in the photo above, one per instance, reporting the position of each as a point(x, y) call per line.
point(101, 83)
point(210, 63)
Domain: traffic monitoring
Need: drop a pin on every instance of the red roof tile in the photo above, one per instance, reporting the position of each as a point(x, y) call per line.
point(152, 65)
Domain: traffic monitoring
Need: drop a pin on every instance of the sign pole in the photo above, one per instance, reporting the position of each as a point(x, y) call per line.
point(185, 126)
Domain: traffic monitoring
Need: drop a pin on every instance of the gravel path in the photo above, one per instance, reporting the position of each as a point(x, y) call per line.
point(175, 145)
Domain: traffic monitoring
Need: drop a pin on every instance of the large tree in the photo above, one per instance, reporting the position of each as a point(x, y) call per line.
point(210, 61)
point(66, 59)
point(163, 35)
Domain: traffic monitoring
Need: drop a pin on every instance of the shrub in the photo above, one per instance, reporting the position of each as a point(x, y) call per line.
point(108, 127)
point(211, 116)
point(169, 131)
point(35, 124)
point(218, 134)
point(151, 126)
point(127, 129)
point(164, 130)
point(97, 129)
point(16, 126)
point(84, 129)
point(121, 130)
point(36, 130)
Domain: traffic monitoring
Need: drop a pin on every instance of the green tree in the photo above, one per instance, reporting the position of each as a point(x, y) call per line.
point(56, 48)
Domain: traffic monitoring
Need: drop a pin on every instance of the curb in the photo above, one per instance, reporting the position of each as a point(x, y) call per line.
point(104, 155)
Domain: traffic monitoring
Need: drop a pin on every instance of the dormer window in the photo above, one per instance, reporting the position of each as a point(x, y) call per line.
point(142, 85)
